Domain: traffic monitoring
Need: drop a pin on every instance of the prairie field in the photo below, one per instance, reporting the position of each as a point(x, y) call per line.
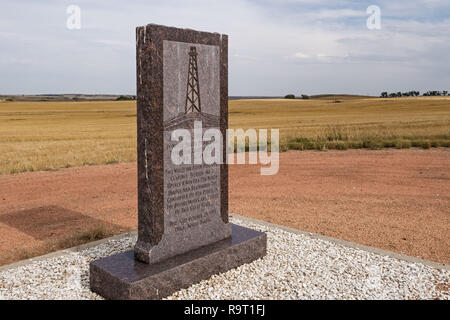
point(37, 136)
point(372, 123)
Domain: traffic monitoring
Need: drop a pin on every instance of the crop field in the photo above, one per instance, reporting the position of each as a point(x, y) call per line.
point(38, 136)
point(349, 124)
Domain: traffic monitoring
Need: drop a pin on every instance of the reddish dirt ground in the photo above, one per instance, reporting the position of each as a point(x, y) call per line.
point(397, 200)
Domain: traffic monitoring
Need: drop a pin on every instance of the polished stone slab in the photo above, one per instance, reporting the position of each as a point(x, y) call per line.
point(181, 207)
point(123, 277)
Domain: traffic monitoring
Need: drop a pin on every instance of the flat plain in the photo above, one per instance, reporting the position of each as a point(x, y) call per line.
point(37, 136)
point(389, 198)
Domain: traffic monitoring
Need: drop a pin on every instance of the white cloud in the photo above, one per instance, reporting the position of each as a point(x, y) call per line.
point(337, 14)
point(301, 55)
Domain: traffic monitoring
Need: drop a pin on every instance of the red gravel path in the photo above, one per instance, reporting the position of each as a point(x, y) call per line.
point(397, 200)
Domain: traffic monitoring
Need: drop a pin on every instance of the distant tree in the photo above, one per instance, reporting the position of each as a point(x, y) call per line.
point(432, 93)
point(412, 93)
point(304, 96)
point(124, 98)
point(289, 96)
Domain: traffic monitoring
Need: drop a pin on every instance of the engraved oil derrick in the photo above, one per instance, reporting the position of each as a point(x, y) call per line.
point(193, 88)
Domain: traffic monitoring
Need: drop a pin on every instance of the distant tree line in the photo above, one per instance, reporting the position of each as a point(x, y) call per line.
point(126, 98)
point(436, 93)
point(292, 96)
point(413, 94)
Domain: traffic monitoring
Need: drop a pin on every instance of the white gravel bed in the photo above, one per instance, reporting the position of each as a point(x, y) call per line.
point(296, 267)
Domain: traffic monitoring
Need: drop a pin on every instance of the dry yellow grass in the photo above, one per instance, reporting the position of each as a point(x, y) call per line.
point(51, 135)
point(349, 123)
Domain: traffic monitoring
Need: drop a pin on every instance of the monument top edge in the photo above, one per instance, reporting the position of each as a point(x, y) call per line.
point(160, 26)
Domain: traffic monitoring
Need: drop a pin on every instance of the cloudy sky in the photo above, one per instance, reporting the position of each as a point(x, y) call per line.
point(276, 46)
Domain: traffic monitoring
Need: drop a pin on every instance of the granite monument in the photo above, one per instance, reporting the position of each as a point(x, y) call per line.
point(183, 231)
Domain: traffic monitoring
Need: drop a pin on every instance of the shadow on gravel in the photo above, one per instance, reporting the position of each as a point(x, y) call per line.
point(50, 222)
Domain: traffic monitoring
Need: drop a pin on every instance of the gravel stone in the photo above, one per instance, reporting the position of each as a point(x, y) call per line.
point(296, 267)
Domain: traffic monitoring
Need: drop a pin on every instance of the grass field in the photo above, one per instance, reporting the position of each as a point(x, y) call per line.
point(351, 123)
point(52, 135)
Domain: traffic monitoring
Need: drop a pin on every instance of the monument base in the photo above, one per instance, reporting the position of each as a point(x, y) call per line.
point(122, 277)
